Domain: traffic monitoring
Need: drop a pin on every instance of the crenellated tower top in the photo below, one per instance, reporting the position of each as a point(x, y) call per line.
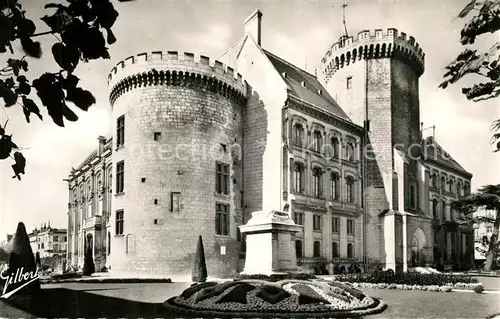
point(372, 45)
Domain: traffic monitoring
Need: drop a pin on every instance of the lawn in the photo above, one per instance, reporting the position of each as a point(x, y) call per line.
point(145, 300)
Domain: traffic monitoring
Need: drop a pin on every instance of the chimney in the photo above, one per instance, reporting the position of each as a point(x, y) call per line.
point(102, 142)
point(253, 26)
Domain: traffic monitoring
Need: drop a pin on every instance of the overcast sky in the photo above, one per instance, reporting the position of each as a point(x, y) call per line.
point(298, 31)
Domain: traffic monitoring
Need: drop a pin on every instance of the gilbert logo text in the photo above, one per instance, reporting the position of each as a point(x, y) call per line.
point(19, 277)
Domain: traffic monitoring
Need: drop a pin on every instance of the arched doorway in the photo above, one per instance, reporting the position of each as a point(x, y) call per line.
point(418, 246)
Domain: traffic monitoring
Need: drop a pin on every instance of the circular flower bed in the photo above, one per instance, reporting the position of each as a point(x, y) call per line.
point(251, 298)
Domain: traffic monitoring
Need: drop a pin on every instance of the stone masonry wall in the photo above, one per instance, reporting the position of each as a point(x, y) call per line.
point(200, 124)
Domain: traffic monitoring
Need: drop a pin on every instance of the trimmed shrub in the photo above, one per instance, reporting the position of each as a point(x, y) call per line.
point(238, 294)
point(272, 294)
point(88, 262)
point(275, 277)
point(21, 256)
point(199, 273)
point(479, 289)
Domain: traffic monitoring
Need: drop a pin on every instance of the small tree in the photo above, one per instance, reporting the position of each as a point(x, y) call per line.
point(21, 256)
point(88, 263)
point(199, 273)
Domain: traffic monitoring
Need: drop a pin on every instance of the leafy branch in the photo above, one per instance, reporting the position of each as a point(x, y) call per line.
point(80, 26)
point(485, 19)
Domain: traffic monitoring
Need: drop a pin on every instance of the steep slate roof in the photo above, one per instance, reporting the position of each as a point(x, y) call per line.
point(441, 156)
point(294, 78)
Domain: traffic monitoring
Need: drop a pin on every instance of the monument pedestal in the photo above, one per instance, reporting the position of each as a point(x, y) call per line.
point(269, 242)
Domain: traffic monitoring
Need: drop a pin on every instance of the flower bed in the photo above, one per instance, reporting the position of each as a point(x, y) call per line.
point(276, 277)
point(407, 278)
point(411, 281)
point(260, 298)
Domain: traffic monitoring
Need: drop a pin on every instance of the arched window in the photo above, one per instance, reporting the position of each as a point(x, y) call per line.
point(298, 172)
point(466, 190)
point(317, 141)
point(443, 210)
point(317, 182)
point(443, 183)
point(350, 152)
point(459, 189)
point(349, 182)
point(451, 186)
point(298, 134)
point(434, 180)
point(334, 186)
point(335, 146)
point(435, 212)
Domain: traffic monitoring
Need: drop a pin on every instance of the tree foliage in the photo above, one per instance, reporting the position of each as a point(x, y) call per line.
point(488, 198)
point(83, 28)
point(484, 18)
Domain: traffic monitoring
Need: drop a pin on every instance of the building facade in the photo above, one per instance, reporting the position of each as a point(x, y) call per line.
point(197, 150)
point(49, 242)
point(89, 208)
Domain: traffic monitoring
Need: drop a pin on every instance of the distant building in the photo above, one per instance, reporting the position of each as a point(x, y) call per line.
point(48, 241)
point(483, 230)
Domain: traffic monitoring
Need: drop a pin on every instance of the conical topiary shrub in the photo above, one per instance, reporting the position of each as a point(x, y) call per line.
point(199, 265)
point(21, 257)
point(88, 262)
point(38, 262)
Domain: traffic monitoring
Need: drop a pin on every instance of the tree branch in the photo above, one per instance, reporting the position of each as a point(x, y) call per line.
point(41, 33)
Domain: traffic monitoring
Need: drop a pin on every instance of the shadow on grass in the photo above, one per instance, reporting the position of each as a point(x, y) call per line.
point(60, 302)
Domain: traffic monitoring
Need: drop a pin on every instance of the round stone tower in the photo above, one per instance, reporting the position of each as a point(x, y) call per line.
point(374, 77)
point(176, 163)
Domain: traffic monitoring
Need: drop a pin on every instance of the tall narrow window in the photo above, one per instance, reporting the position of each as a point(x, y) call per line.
point(298, 172)
point(175, 202)
point(459, 189)
point(109, 243)
point(120, 176)
point(451, 186)
point(350, 152)
point(349, 83)
point(443, 184)
point(350, 250)
point(334, 186)
point(222, 219)
point(435, 211)
point(120, 131)
point(298, 137)
point(317, 248)
point(443, 210)
point(298, 248)
point(317, 222)
point(317, 182)
point(336, 146)
point(222, 178)
point(350, 227)
point(335, 250)
point(349, 189)
point(434, 180)
point(119, 222)
point(298, 218)
point(317, 141)
point(412, 196)
point(335, 225)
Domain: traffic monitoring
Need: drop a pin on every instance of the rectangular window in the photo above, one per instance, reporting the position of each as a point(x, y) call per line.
point(298, 248)
point(56, 238)
point(65, 238)
point(175, 202)
point(120, 131)
point(157, 136)
point(317, 248)
point(120, 174)
point(222, 219)
point(335, 250)
point(316, 222)
point(350, 227)
point(119, 222)
point(349, 82)
point(298, 218)
point(335, 225)
point(222, 178)
point(350, 250)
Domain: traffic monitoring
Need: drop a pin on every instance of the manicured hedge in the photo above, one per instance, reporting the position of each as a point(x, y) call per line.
point(275, 277)
point(406, 278)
